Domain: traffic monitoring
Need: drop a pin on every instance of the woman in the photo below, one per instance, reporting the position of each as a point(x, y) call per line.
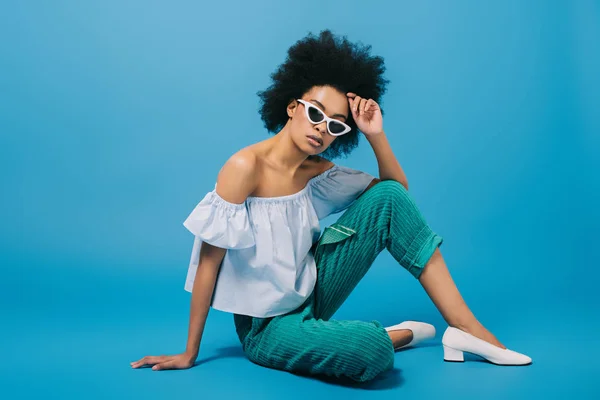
point(258, 252)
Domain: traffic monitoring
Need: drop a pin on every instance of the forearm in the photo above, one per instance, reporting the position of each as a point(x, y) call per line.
point(202, 291)
point(389, 167)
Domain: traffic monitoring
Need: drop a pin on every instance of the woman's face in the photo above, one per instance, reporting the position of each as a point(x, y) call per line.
point(329, 100)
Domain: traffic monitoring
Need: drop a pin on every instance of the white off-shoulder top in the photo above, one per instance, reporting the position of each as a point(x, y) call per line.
point(268, 268)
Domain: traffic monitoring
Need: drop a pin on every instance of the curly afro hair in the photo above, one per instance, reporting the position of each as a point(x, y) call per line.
point(325, 60)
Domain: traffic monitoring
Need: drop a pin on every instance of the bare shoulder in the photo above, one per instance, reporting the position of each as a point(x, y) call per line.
point(238, 176)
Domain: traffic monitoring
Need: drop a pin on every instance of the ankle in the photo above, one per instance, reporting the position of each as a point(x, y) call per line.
point(401, 337)
point(469, 325)
point(479, 331)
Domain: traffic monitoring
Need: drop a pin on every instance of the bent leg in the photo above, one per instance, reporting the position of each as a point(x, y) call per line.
point(307, 341)
point(385, 216)
point(302, 344)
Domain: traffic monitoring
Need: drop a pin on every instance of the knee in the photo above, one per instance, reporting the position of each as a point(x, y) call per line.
point(391, 187)
point(371, 354)
point(390, 191)
point(372, 363)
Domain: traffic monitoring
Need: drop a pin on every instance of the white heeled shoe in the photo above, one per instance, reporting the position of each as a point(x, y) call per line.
point(456, 342)
point(420, 330)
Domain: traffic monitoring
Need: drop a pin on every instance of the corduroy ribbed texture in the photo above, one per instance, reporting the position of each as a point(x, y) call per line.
point(307, 341)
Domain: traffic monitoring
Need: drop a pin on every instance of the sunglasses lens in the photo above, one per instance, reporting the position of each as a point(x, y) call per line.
point(336, 127)
point(315, 115)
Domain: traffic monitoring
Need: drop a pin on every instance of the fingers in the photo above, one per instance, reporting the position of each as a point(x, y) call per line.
point(164, 362)
point(359, 105)
point(352, 110)
point(149, 360)
point(165, 365)
point(362, 106)
point(369, 105)
point(354, 105)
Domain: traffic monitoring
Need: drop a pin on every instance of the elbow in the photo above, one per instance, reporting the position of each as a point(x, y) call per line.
point(403, 183)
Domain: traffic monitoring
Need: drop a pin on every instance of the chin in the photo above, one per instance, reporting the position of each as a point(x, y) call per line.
point(312, 152)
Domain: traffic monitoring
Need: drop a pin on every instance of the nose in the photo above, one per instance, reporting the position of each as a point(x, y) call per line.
point(322, 127)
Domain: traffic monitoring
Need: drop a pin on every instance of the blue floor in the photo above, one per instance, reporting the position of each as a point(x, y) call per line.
point(70, 331)
point(116, 116)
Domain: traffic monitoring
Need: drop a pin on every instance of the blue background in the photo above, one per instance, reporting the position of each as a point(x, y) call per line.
point(116, 116)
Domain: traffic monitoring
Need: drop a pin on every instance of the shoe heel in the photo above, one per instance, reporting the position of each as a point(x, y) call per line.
point(451, 354)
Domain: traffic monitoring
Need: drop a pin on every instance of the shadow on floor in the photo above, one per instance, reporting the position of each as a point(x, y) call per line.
point(223, 352)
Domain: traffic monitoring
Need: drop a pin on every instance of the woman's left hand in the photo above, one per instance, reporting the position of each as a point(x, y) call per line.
point(366, 114)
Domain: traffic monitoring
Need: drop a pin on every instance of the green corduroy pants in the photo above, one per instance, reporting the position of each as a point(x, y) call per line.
point(307, 341)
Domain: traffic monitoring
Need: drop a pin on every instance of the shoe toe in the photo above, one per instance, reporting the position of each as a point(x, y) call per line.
point(519, 359)
point(422, 331)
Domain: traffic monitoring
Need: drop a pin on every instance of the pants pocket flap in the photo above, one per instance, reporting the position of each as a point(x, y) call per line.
point(336, 233)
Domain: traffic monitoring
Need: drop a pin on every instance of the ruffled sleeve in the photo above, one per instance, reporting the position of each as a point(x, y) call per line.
point(337, 188)
point(221, 223)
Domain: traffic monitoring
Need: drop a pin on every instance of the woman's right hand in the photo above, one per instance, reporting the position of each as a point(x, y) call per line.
point(178, 361)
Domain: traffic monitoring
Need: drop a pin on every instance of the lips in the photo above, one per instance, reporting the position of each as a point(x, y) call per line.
point(316, 139)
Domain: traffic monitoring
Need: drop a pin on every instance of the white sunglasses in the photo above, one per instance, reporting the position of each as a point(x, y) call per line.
point(316, 116)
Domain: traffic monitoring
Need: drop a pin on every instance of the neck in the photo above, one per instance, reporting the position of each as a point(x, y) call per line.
point(283, 153)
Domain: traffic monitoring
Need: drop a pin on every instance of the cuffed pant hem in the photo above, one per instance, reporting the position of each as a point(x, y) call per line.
point(420, 251)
